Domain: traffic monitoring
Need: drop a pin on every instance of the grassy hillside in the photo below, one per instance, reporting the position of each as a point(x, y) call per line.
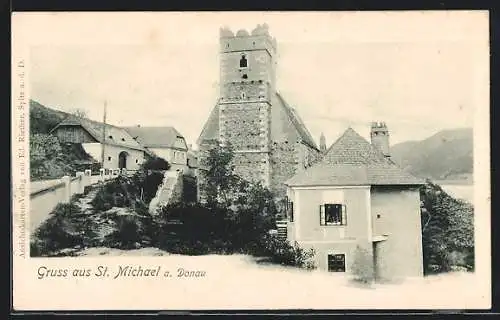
point(43, 119)
point(447, 155)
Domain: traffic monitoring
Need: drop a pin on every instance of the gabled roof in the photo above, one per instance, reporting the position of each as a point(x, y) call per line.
point(156, 137)
point(285, 124)
point(297, 122)
point(352, 160)
point(113, 135)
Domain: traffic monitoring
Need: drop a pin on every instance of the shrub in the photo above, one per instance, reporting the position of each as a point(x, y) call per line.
point(282, 252)
point(155, 163)
point(58, 232)
point(127, 234)
point(189, 192)
point(120, 192)
point(362, 266)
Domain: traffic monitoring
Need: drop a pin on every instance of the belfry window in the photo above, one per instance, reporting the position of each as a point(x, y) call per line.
point(243, 62)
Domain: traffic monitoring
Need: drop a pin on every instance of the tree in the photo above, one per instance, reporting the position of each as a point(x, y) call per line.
point(45, 152)
point(447, 230)
point(80, 113)
point(219, 176)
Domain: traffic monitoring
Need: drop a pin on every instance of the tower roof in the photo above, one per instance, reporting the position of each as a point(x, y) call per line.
point(352, 160)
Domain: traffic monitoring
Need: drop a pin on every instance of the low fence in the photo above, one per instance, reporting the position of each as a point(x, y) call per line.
point(44, 200)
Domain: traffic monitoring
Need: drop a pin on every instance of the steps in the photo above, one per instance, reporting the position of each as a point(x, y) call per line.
point(169, 191)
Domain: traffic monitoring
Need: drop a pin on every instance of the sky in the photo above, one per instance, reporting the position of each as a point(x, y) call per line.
point(418, 72)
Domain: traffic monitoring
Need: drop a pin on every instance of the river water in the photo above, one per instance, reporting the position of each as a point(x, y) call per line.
point(463, 192)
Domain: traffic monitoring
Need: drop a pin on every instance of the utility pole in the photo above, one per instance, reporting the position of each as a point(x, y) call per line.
point(103, 134)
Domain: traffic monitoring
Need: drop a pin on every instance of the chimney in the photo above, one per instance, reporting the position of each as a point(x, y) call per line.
point(380, 137)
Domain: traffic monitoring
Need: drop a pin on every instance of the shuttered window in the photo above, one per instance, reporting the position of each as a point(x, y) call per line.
point(332, 214)
point(289, 209)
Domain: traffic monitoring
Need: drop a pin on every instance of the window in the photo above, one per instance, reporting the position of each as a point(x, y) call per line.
point(243, 96)
point(289, 209)
point(243, 62)
point(332, 215)
point(109, 158)
point(336, 262)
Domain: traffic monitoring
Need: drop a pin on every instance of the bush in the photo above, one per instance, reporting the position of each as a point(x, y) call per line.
point(58, 232)
point(362, 266)
point(189, 192)
point(127, 234)
point(281, 251)
point(156, 163)
point(120, 192)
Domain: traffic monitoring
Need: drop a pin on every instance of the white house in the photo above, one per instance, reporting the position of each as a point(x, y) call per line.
point(164, 142)
point(121, 150)
point(357, 205)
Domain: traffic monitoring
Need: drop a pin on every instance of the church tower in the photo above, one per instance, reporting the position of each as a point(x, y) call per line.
point(270, 141)
point(247, 81)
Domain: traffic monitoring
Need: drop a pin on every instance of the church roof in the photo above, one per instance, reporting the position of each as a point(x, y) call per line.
point(299, 125)
point(286, 124)
point(210, 130)
point(352, 160)
point(114, 135)
point(156, 137)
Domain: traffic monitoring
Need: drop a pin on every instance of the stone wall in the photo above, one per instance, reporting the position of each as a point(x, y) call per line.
point(177, 189)
point(252, 166)
point(200, 178)
point(284, 162)
point(252, 90)
point(244, 126)
point(169, 191)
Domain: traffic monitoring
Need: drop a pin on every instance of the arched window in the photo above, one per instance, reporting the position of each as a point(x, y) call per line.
point(243, 62)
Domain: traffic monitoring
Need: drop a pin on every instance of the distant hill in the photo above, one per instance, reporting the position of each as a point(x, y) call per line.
point(447, 155)
point(43, 119)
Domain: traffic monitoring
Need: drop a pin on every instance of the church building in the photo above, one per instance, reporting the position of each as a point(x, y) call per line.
point(270, 141)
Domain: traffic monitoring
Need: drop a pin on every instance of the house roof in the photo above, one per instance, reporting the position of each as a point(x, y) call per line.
point(352, 160)
point(156, 137)
point(113, 135)
point(286, 124)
